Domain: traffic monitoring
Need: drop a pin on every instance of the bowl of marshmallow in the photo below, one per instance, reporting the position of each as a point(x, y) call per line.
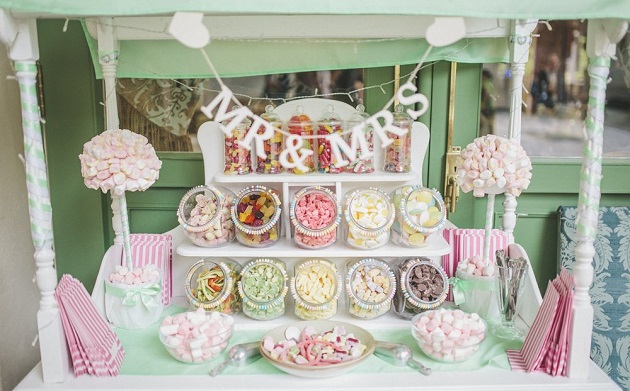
point(196, 336)
point(447, 335)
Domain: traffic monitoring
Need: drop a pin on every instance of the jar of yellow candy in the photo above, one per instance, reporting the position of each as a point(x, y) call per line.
point(369, 215)
point(420, 213)
point(315, 287)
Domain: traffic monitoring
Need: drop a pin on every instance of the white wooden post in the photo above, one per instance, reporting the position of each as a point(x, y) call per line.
point(602, 36)
point(108, 58)
point(520, 41)
point(24, 51)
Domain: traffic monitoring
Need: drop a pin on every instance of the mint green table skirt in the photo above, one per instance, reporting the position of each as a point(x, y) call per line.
point(145, 355)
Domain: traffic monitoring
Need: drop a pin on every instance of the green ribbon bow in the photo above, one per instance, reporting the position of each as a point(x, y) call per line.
point(130, 296)
point(460, 286)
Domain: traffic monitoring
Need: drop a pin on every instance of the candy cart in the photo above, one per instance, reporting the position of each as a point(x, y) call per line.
point(116, 26)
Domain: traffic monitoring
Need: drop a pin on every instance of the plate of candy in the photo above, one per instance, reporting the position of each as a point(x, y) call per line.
point(317, 349)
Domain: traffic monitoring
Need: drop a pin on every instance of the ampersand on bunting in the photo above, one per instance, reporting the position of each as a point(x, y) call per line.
point(293, 147)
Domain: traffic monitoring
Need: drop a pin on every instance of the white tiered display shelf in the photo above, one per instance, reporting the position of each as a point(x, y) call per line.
point(19, 33)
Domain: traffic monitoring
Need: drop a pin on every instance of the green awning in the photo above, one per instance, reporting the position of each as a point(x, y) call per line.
point(508, 9)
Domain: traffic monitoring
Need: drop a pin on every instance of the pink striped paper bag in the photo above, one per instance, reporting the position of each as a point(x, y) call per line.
point(472, 244)
point(536, 344)
point(156, 250)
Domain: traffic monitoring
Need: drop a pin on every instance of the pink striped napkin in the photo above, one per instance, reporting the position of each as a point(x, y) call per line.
point(546, 345)
point(156, 250)
point(94, 347)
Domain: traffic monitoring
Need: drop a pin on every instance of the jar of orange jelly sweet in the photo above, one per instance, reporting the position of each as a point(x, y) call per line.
point(256, 216)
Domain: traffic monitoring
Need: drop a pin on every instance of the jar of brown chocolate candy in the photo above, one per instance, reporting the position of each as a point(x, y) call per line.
point(421, 285)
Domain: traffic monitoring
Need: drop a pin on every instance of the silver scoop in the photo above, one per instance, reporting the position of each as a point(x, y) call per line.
point(239, 356)
point(399, 355)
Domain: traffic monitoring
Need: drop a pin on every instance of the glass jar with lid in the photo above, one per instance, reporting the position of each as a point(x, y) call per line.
point(301, 124)
point(271, 163)
point(369, 215)
point(204, 213)
point(360, 165)
point(370, 287)
point(420, 213)
point(263, 287)
point(238, 160)
point(398, 153)
point(329, 123)
point(256, 215)
point(211, 285)
point(315, 287)
point(421, 285)
point(315, 215)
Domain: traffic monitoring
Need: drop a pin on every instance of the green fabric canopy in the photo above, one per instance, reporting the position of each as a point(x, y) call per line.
point(509, 9)
point(247, 57)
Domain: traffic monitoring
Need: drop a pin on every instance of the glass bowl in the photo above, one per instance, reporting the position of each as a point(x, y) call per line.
point(448, 336)
point(196, 337)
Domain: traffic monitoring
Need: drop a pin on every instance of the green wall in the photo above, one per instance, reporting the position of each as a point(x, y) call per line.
point(82, 217)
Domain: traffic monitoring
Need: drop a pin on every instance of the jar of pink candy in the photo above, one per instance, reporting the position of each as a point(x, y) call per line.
point(133, 298)
point(256, 215)
point(422, 285)
point(204, 213)
point(360, 165)
point(328, 124)
point(212, 285)
point(315, 287)
point(370, 287)
point(420, 212)
point(273, 147)
point(315, 215)
point(369, 214)
point(398, 153)
point(263, 287)
point(238, 160)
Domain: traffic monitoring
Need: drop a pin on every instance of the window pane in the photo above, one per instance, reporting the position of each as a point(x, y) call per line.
point(168, 112)
point(557, 80)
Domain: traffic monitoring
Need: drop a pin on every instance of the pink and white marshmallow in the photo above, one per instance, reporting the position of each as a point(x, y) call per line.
point(493, 162)
point(137, 276)
point(119, 160)
point(475, 266)
point(448, 335)
point(196, 337)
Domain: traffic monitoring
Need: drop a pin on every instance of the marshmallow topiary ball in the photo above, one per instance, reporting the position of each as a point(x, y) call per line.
point(119, 160)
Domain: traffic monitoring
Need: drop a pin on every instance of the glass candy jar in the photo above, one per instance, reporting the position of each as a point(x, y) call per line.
point(256, 215)
point(315, 215)
point(370, 287)
point(204, 213)
point(271, 163)
point(315, 287)
point(369, 215)
point(238, 160)
point(420, 212)
point(360, 165)
point(328, 124)
point(398, 153)
point(211, 285)
point(301, 124)
point(422, 285)
point(263, 287)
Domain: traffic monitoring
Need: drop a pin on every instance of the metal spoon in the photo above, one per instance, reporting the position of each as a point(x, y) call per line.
point(239, 356)
point(399, 355)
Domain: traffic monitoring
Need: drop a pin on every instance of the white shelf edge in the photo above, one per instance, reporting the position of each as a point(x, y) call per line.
point(377, 176)
point(436, 246)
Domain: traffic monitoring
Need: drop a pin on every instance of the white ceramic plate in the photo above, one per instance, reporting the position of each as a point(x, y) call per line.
point(320, 371)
